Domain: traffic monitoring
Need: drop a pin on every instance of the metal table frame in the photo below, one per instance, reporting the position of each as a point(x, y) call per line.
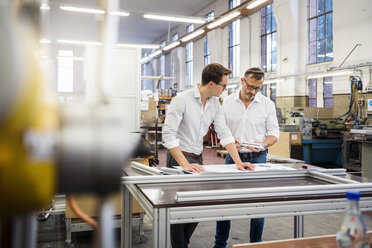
point(163, 217)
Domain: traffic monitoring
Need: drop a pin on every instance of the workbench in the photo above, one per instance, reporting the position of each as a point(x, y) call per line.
point(174, 199)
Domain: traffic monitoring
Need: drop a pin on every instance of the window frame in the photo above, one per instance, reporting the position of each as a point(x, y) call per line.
point(189, 57)
point(234, 43)
point(273, 65)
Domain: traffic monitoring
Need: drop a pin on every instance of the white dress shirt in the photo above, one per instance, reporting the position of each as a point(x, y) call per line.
point(186, 122)
point(254, 123)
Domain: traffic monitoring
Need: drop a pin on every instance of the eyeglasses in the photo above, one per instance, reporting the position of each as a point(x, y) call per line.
point(250, 87)
point(223, 85)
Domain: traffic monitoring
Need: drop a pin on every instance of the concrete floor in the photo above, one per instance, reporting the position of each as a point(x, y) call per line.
point(52, 232)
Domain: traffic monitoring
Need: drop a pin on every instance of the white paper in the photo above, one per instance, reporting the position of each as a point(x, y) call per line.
point(226, 168)
point(144, 105)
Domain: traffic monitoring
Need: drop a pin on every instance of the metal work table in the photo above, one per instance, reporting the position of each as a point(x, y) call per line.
point(174, 199)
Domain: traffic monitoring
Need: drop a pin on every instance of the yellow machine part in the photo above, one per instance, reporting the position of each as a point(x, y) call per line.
point(26, 183)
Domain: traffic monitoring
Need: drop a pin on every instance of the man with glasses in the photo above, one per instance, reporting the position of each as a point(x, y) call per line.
point(251, 118)
point(186, 123)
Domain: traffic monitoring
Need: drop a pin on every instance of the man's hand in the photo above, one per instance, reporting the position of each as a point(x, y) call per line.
point(197, 168)
point(245, 166)
point(237, 144)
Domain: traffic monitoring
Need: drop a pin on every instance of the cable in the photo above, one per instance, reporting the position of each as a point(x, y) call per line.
point(75, 208)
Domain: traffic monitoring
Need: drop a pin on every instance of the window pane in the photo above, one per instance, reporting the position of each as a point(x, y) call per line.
point(274, 42)
point(269, 9)
point(312, 88)
point(268, 24)
point(327, 88)
point(263, 91)
point(321, 27)
point(312, 102)
point(329, 5)
point(329, 49)
point(329, 25)
point(328, 102)
point(312, 29)
point(274, 61)
point(268, 44)
point(263, 12)
point(320, 50)
point(263, 25)
point(312, 52)
point(312, 8)
point(320, 7)
point(274, 23)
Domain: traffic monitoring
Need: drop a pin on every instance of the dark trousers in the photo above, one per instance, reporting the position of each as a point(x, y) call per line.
point(181, 233)
point(256, 227)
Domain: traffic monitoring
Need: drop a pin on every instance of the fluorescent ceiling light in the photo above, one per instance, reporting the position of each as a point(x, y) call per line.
point(72, 58)
point(44, 6)
point(119, 13)
point(79, 42)
point(144, 59)
point(192, 35)
point(171, 45)
point(275, 80)
point(223, 19)
point(82, 10)
point(329, 74)
point(146, 46)
point(45, 41)
point(255, 4)
point(187, 19)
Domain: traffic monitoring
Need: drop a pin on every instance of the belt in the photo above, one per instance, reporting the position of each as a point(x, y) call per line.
point(193, 155)
point(251, 154)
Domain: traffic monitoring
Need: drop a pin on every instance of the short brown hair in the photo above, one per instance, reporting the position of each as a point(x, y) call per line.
point(256, 73)
point(214, 72)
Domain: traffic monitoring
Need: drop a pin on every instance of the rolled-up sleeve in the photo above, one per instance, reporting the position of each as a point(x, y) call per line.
point(272, 126)
point(172, 121)
point(223, 132)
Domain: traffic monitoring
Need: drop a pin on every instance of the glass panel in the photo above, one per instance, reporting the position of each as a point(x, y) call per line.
point(269, 9)
point(274, 42)
point(312, 52)
point(329, 24)
point(263, 91)
point(312, 29)
point(268, 24)
point(312, 8)
point(274, 61)
point(175, 37)
point(329, 49)
point(312, 88)
point(274, 23)
point(268, 45)
point(328, 102)
point(312, 102)
point(320, 50)
point(263, 12)
point(263, 62)
point(321, 27)
point(327, 88)
point(263, 25)
point(320, 7)
point(273, 92)
point(329, 5)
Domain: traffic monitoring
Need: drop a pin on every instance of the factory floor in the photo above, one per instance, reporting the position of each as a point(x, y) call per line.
point(51, 233)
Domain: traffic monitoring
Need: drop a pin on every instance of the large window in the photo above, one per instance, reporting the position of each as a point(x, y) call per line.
point(207, 51)
point(268, 39)
point(320, 31)
point(315, 92)
point(234, 39)
point(189, 57)
point(65, 71)
point(162, 67)
point(273, 92)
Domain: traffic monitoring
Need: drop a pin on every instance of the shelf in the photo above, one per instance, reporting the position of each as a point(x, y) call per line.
point(165, 97)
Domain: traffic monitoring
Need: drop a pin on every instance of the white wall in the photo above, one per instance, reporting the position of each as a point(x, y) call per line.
point(352, 21)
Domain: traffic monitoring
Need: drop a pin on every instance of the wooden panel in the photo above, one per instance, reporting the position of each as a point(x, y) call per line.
point(283, 146)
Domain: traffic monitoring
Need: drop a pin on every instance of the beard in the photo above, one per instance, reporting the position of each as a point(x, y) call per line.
point(248, 96)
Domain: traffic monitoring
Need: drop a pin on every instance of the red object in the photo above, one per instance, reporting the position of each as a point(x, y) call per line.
point(305, 166)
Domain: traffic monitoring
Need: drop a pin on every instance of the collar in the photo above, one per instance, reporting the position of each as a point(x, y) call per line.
point(196, 91)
